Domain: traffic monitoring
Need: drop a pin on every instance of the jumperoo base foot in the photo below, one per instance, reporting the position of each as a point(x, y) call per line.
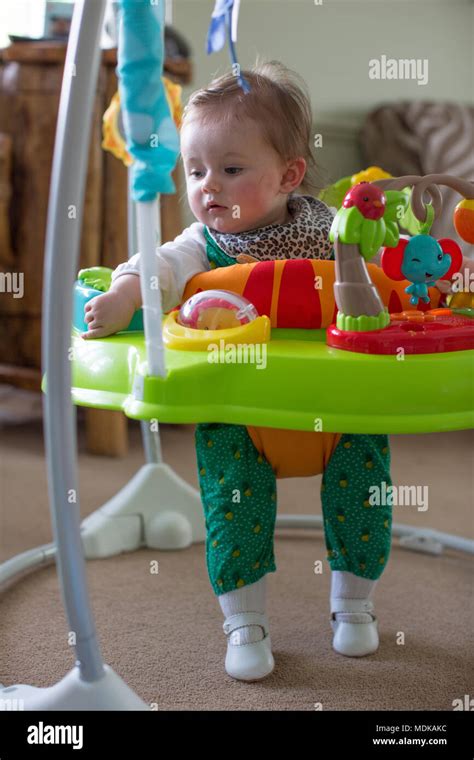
point(72, 693)
point(156, 509)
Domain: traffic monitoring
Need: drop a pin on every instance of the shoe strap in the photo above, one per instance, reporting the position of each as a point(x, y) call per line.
point(351, 605)
point(242, 619)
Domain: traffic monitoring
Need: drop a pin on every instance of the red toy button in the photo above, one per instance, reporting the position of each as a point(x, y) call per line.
point(429, 333)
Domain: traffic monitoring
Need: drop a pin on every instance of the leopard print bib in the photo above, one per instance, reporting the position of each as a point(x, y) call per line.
point(306, 236)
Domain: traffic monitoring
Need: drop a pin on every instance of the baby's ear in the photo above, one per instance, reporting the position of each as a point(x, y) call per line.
point(294, 174)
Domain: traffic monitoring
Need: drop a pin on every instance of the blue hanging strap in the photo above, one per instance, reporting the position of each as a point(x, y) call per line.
point(224, 23)
point(150, 132)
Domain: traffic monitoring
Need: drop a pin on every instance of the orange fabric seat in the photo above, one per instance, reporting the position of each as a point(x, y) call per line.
point(298, 292)
point(294, 453)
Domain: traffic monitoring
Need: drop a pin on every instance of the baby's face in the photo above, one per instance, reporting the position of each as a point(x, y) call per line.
point(235, 169)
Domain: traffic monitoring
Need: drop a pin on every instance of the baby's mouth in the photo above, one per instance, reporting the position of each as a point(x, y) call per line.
point(215, 209)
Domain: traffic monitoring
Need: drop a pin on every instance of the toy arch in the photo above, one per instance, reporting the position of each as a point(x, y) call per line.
point(117, 526)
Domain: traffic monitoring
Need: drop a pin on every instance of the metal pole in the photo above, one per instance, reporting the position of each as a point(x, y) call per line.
point(151, 439)
point(65, 211)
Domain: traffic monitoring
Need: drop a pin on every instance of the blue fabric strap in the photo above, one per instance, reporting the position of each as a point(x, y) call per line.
point(150, 132)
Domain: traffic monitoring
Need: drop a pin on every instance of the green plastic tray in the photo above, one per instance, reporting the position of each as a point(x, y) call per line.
point(306, 385)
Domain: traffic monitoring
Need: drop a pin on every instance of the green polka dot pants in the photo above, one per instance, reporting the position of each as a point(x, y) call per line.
point(238, 491)
point(357, 529)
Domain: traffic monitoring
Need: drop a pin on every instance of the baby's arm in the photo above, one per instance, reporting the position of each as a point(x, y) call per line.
point(178, 261)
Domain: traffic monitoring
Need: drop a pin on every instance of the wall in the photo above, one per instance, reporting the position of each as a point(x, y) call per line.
point(331, 45)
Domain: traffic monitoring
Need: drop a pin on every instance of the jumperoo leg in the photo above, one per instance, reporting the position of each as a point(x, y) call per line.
point(150, 437)
point(156, 508)
point(358, 536)
point(90, 685)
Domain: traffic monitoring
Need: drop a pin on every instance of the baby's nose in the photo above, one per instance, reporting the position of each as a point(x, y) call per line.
point(210, 183)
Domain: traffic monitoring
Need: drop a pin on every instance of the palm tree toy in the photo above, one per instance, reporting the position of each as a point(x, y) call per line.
point(366, 221)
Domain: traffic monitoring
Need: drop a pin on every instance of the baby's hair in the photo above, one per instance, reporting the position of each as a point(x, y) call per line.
point(278, 101)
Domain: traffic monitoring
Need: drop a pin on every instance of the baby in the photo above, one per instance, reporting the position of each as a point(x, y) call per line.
point(245, 156)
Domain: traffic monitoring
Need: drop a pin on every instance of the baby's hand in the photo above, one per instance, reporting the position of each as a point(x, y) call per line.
point(108, 314)
point(466, 271)
point(444, 286)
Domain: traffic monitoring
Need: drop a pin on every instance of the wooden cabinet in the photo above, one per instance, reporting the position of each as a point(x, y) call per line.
point(30, 83)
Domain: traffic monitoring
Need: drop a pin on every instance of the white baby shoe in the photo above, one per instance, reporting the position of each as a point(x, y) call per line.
point(354, 626)
point(248, 662)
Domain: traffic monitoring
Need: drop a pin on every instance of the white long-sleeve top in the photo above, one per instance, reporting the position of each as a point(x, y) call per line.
point(178, 261)
point(185, 256)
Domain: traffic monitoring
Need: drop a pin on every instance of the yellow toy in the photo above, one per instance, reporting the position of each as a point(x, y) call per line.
point(112, 137)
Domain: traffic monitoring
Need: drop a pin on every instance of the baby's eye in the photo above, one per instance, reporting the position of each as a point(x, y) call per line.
point(194, 173)
point(233, 169)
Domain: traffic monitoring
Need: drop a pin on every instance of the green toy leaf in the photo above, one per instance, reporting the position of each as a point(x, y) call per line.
point(372, 235)
point(397, 202)
point(99, 278)
point(381, 232)
point(392, 234)
point(347, 223)
point(409, 222)
point(334, 194)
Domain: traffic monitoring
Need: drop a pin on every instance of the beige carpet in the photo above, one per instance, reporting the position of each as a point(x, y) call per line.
point(162, 633)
